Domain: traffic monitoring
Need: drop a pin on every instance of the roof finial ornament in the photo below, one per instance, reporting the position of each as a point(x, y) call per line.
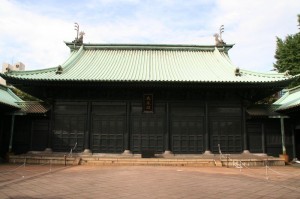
point(237, 72)
point(218, 37)
point(59, 70)
point(78, 40)
point(287, 73)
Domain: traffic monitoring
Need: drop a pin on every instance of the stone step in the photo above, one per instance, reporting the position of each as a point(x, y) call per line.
point(61, 159)
point(77, 161)
point(148, 163)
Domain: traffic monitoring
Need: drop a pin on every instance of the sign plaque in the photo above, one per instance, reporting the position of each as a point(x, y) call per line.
point(148, 103)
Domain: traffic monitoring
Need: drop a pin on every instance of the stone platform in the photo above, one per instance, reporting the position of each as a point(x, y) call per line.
point(195, 160)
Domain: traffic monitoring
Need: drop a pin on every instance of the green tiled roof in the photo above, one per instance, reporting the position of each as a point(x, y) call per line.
point(262, 110)
point(33, 107)
point(8, 98)
point(290, 100)
point(147, 63)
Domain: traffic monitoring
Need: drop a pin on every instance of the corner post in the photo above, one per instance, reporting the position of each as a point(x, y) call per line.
point(282, 135)
point(283, 155)
point(11, 133)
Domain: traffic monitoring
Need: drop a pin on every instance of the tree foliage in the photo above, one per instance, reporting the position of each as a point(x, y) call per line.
point(288, 55)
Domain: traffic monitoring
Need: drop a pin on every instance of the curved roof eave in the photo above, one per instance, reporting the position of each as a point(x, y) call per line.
point(8, 98)
point(102, 65)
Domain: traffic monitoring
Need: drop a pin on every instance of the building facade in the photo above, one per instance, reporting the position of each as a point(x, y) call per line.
point(114, 98)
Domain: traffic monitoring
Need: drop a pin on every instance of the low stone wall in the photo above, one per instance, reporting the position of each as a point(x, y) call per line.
point(30, 159)
point(253, 162)
point(136, 160)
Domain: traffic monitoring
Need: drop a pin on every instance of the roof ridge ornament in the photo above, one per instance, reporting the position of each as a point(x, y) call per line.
point(218, 37)
point(237, 72)
point(287, 73)
point(78, 40)
point(59, 70)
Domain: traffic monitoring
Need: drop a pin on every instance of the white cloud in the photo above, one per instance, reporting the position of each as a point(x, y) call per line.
point(34, 39)
point(33, 33)
point(253, 26)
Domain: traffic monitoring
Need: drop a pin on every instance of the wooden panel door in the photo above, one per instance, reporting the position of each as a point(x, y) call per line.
point(254, 132)
point(187, 129)
point(40, 131)
point(108, 127)
point(69, 126)
point(225, 132)
point(147, 129)
point(69, 131)
point(107, 134)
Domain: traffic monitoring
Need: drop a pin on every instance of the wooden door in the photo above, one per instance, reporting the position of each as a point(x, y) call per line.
point(187, 129)
point(108, 127)
point(147, 129)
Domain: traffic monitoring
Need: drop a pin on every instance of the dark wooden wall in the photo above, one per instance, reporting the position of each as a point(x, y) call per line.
point(30, 133)
point(183, 121)
point(5, 124)
point(264, 136)
point(112, 120)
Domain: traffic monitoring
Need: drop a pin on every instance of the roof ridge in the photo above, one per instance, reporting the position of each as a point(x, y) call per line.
point(149, 46)
point(265, 74)
point(72, 58)
point(14, 72)
point(294, 89)
point(223, 59)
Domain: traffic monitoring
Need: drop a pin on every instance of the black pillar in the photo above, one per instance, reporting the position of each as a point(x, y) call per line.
point(127, 132)
point(11, 133)
point(263, 137)
point(244, 131)
point(207, 140)
point(88, 129)
point(127, 150)
point(50, 129)
point(167, 127)
point(167, 135)
point(293, 142)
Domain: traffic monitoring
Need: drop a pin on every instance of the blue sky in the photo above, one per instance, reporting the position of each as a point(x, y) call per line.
point(33, 31)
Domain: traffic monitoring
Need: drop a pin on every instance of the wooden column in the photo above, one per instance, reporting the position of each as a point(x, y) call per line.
point(87, 134)
point(283, 155)
point(207, 140)
point(282, 135)
point(293, 141)
point(263, 137)
point(244, 131)
point(11, 133)
point(127, 150)
point(167, 135)
point(50, 129)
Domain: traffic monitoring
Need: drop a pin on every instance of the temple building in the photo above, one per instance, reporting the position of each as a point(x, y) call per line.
point(289, 105)
point(172, 99)
point(18, 117)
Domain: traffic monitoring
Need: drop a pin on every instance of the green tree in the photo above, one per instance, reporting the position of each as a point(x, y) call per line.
point(288, 55)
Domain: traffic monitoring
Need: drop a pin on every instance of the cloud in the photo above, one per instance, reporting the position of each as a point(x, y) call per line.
point(34, 39)
point(253, 26)
point(33, 33)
